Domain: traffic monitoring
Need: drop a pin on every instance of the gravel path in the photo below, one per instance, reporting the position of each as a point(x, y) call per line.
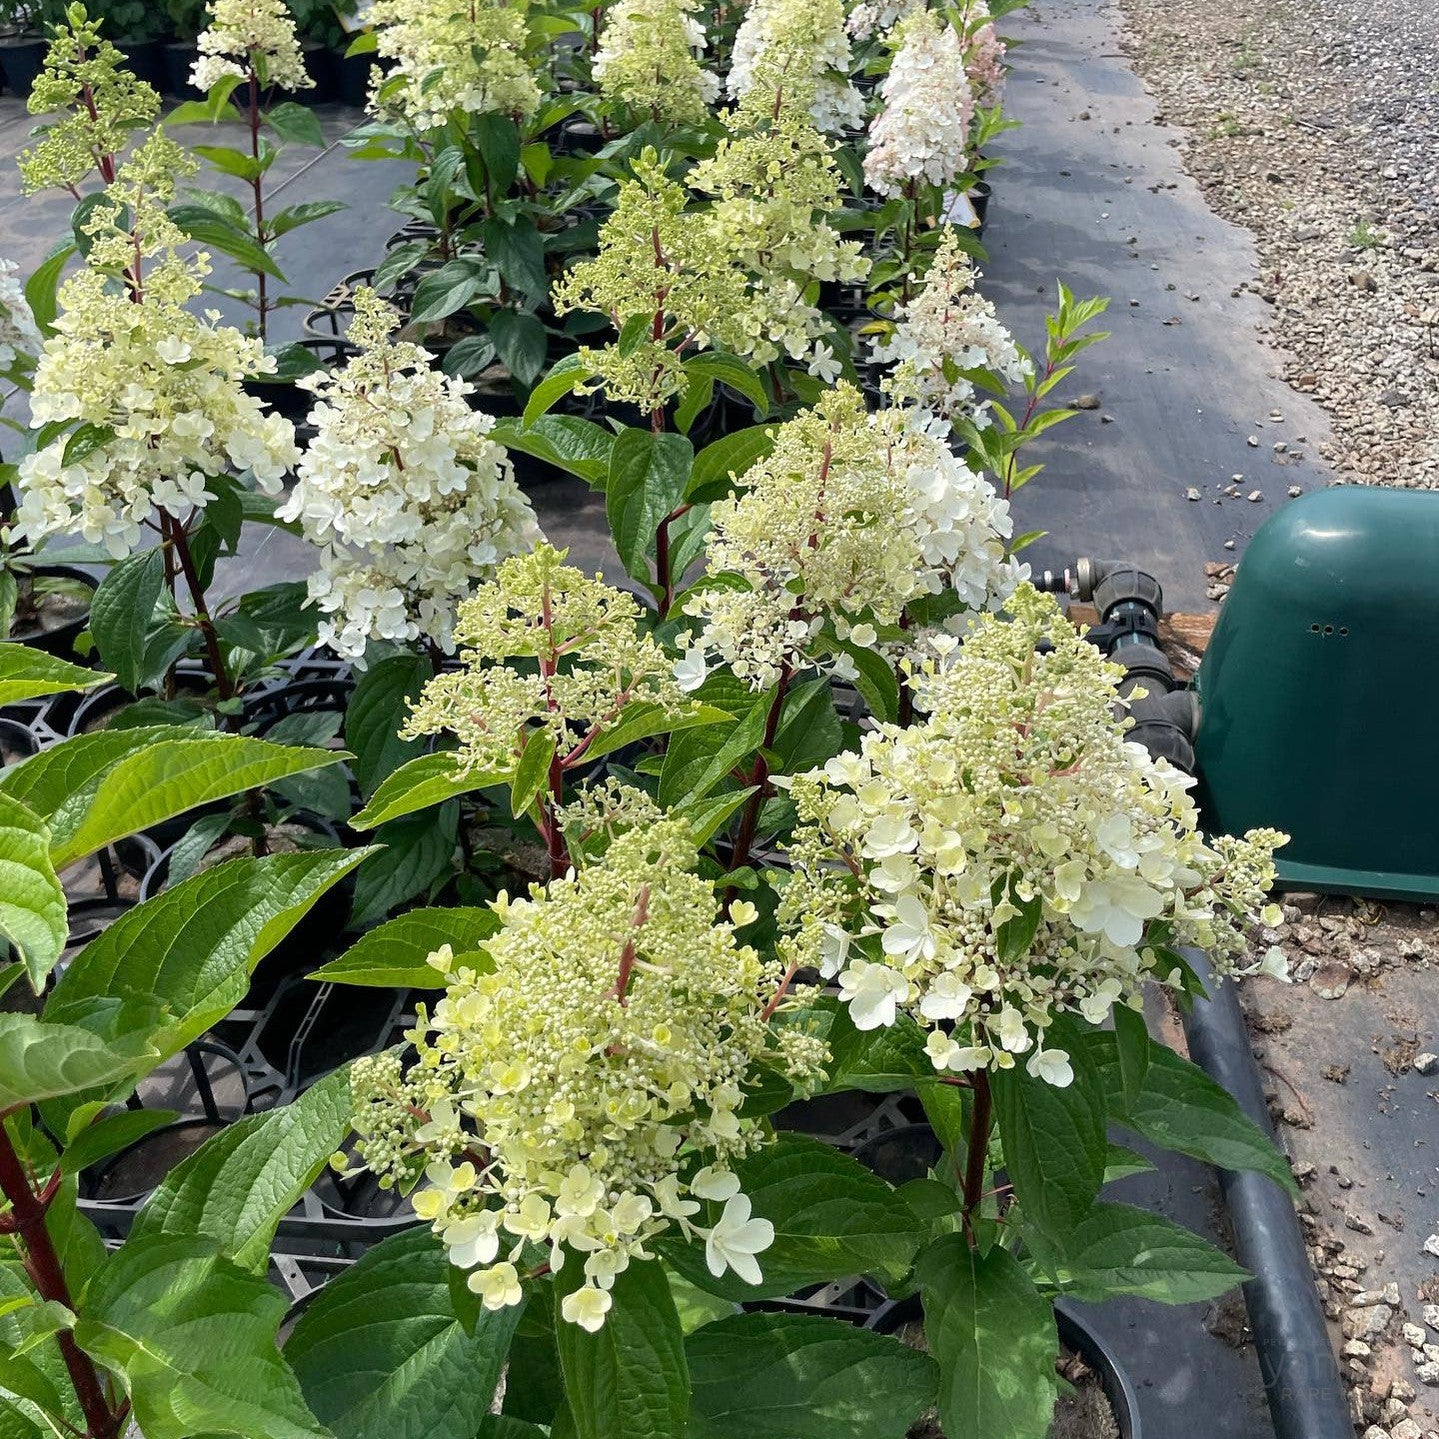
point(1315, 124)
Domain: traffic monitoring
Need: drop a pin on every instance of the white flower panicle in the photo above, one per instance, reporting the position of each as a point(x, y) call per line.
point(448, 55)
point(850, 517)
point(945, 329)
point(774, 183)
point(250, 35)
point(878, 17)
point(647, 61)
point(20, 340)
point(577, 1096)
point(922, 133)
point(159, 387)
point(585, 661)
point(984, 52)
point(408, 500)
point(805, 42)
point(1012, 858)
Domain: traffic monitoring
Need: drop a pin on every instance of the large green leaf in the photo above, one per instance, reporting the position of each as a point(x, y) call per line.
point(27, 674)
point(42, 1061)
point(799, 1376)
point(394, 955)
point(578, 446)
point(33, 914)
point(241, 1182)
point(1118, 1249)
point(121, 612)
point(648, 477)
point(832, 1218)
point(193, 1337)
point(192, 948)
point(1180, 1108)
point(644, 719)
point(629, 1379)
point(381, 1354)
point(563, 377)
point(993, 1335)
point(718, 465)
point(1055, 1144)
point(414, 853)
point(99, 787)
point(420, 783)
point(373, 717)
point(878, 1061)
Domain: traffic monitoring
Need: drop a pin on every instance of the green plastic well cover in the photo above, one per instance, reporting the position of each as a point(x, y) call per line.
point(1320, 693)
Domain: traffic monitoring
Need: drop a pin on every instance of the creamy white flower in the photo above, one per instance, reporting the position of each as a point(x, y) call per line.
point(807, 39)
point(1022, 757)
point(473, 1240)
point(587, 1307)
point(407, 500)
point(736, 1239)
point(947, 998)
point(1052, 1066)
point(922, 133)
point(690, 670)
point(873, 993)
point(498, 1287)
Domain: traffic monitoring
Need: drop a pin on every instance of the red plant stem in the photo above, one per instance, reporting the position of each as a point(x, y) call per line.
point(257, 184)
point(1029, 410)
point(627, 956)
point(979, 1127)
point(780, 993)
point(181, 546)
point(47, 1274)
point(664, 578)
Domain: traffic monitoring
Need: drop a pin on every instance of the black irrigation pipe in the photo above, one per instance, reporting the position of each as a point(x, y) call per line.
point(1301, 1378)
point(1296, 1362)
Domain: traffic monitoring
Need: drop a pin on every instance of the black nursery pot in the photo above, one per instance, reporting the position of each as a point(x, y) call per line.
point(352, 79)
point(979, 196)
point(901, 1155)
point(57, 635)
point(22, 57)
point(16, 742)
point(180, 57)
point(1075, 1335)
point(146, 60)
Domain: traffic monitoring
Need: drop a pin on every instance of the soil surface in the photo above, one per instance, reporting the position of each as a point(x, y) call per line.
point(1352, 1078)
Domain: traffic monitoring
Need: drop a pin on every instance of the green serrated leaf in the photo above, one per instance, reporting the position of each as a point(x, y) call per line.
point(27, 673)
point(381, 1353)
point(629, 1379)
point(193, 947)
point(993, 1335)
point(121, 613)
point(801, 1376)
point(532, 771)
point(241, 1182)
point(419, 784)
point(1055, 1142)
point(33, 914)
point(1118, 1249)
point(395, 954)
point(375, 713)
point(40, 1060)
point(193, 1337)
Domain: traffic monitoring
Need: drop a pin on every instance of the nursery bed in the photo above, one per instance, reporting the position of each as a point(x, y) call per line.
point(1185, 383)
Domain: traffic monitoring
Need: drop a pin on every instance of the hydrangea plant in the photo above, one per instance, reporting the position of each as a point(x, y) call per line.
point(407, 499)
